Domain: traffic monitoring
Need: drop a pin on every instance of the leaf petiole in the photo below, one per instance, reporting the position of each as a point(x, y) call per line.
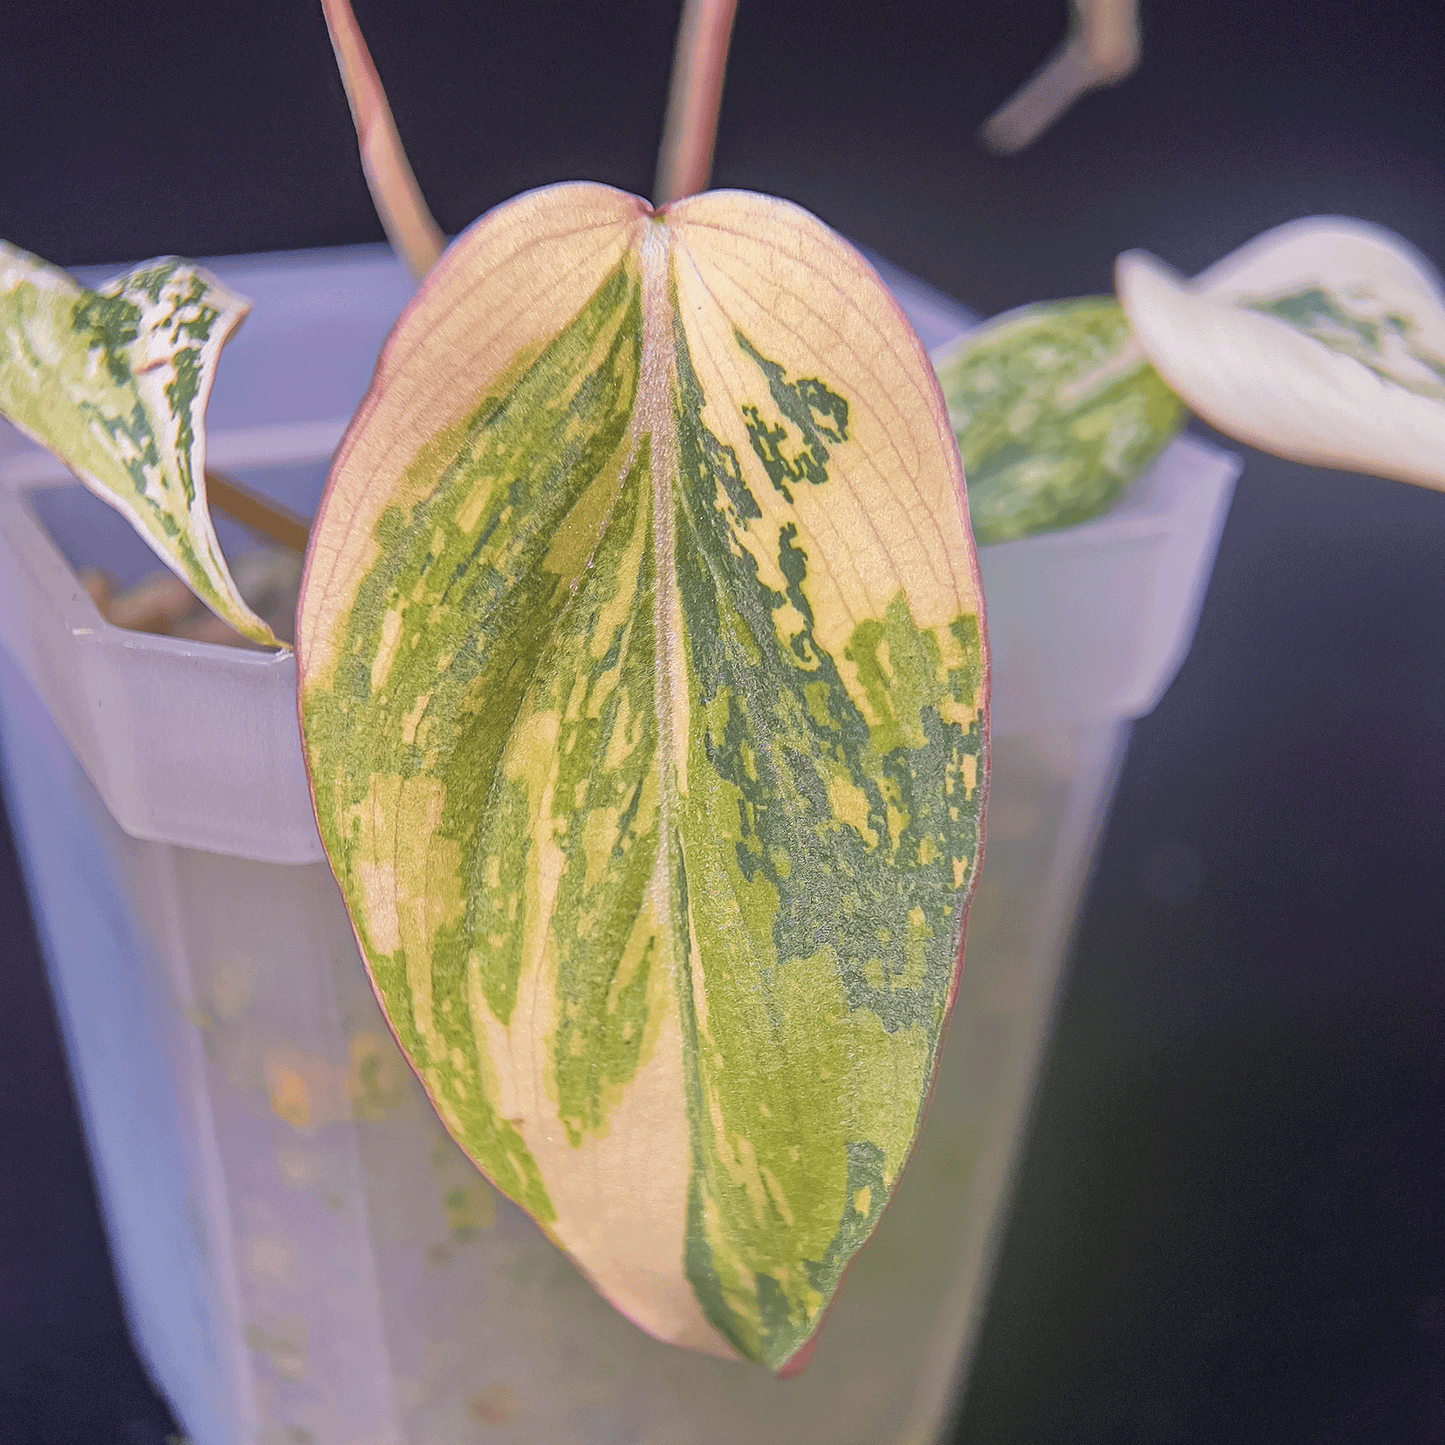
point(684, 160)
point(409, 224)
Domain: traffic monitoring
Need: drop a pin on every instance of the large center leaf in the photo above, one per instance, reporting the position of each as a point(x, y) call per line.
point(642, 684)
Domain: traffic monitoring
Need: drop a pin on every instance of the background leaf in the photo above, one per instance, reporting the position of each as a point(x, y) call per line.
point(115, 383)
point(1056, 411)
point(642, 686)
point(1322, 340)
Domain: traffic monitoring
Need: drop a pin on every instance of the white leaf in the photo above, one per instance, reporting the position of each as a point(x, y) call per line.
point(1322, 340)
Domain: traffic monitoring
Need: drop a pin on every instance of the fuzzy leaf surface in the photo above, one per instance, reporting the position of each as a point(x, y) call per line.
point(115, 383)
point(1322, 340)
point(642, 683)
point(1056, 411)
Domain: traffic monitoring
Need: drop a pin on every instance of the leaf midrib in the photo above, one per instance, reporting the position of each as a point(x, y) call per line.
point(656, 416)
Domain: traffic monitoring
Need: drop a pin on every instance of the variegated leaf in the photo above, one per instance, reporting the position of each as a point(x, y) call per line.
point(115, 383)
point(642, 686)
point(1056, 411)
point(1322, 340)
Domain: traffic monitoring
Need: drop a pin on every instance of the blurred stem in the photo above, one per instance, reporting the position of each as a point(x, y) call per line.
point(684, 161)
point(244, 506)
point(1101, 48)
point(413, 233)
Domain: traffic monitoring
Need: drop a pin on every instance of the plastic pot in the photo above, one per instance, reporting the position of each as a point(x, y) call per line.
point(305, 1257)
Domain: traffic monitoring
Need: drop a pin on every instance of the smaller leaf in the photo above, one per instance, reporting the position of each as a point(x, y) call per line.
point(115, 383)
point(1056, 411)
point(1322, 340)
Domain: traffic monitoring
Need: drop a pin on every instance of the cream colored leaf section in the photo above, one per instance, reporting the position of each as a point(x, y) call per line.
point(115, 382)
point(1322, 341)
point(893, 514)
point(528, 267)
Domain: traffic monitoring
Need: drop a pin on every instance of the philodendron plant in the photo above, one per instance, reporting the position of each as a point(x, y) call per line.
point(641, 667)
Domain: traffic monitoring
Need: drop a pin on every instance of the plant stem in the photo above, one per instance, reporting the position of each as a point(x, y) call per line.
point(410, 227)
point(1101, 48)
point(245, 507)
point(684, 160)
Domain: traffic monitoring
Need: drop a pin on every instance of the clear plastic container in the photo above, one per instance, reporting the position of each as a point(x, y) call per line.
point(305, 1257)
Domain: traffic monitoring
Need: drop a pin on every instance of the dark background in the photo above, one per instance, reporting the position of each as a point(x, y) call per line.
point(1229, 1221)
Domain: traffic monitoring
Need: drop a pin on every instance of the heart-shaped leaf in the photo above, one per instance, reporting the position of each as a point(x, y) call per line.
point(115, 383)
point(1056, 411)
point(1322, 340)
point(642, 685)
